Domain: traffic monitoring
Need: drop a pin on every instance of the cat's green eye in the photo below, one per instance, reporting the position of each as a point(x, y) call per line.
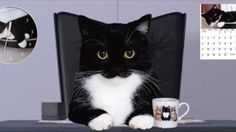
point(102, 54)
point(129, 54)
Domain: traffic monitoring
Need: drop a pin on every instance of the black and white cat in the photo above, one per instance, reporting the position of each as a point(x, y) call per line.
point(217, 17)
point(17, 28)
point(166, 113)
point(114, 83)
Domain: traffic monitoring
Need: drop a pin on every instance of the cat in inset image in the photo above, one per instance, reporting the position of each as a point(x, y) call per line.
point(166, 114)
point(217, 17)
point(173, 114)
point(21, 33)
point(2, 27)
point(114, 83)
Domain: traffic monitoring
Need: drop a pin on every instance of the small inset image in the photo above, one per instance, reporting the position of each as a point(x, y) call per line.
point(18, 35)
point(218, 16)
point(218, 32)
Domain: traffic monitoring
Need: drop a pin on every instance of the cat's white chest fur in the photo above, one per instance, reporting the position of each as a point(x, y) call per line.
point(113, 95)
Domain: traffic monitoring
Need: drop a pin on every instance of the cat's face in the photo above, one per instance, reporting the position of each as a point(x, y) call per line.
point(166, 109)
point(114, 49)
point(213, 15)
point(172, 110)
point(158, 110)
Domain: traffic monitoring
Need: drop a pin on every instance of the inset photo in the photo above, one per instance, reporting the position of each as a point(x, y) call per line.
point(18, 35)
point(218, 16)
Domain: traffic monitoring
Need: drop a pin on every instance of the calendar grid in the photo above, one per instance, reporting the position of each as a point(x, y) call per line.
point(218, 44)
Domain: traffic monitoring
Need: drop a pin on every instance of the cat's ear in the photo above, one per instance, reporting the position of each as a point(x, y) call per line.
point(89, 26)
point(143, 24)
point(214, 6)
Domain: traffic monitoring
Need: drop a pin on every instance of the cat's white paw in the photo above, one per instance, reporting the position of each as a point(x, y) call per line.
point(23, 44)
point(220, 24)
point(101, 122)
point(142, 122)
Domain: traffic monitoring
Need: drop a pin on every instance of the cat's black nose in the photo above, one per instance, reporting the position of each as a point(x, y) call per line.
point(117, 72)
point(109, 75)
point(112, 75)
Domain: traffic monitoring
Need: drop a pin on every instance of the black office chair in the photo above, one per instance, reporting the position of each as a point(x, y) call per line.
point(166, 36)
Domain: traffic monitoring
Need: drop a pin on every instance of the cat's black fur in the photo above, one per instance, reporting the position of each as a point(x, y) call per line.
point(2, 26)
point(166, 110)
point(19, 27)
point(115, 39)
point(215, 14)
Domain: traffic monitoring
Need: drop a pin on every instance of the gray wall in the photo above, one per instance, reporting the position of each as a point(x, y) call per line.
point(208, 86)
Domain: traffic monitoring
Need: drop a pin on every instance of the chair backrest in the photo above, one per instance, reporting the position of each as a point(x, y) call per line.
point(166, 37)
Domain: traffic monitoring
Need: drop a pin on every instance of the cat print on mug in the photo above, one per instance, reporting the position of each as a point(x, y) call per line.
point(173, 113)
point(158, 113)
point(165, 113)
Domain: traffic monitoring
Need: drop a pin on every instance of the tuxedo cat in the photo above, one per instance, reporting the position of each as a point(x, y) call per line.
point(173, 113)
point(114, 83)
point(217, 17)
point(166, 114)
point(20, 32)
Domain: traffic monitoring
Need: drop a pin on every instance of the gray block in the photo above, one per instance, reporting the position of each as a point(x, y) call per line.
point(53, 111)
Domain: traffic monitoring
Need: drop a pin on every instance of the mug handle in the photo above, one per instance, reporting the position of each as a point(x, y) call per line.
point(186, 112)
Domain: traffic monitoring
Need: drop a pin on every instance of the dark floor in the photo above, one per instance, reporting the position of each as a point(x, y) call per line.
point(36, 126)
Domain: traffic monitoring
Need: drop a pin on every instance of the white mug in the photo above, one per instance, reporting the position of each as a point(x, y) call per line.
point(166, 110)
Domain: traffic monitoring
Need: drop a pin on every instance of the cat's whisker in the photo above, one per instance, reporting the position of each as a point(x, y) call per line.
point(126, 38)
point(77, 92)
point(104, 38)
point(83, 102)
point(129, 37)
point(146, 74)
point(79, 81)
point(150, 87)
point(149, 79)
point(152, 82)
point(80, 91)
point(146, 88)
point(78, 86)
